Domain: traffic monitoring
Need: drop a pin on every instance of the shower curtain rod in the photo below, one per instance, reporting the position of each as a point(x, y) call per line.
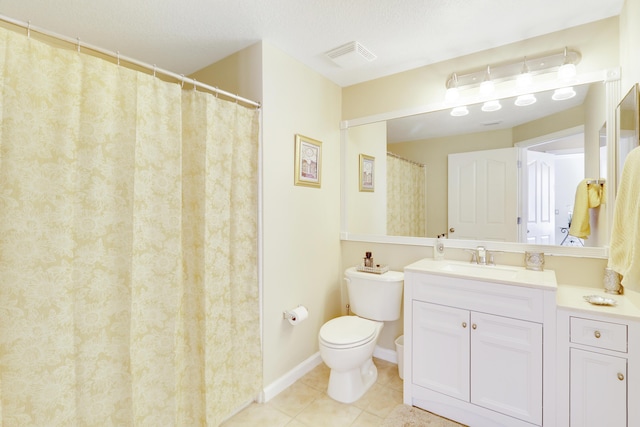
point(389, 153)
point(180, 77)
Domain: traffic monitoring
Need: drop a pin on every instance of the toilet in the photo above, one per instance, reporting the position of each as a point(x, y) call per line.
point(347, 342)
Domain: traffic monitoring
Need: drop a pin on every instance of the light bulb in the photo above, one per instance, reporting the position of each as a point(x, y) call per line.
point(525, 78)
point(486, 88)
point(567, 72)
point(451, 95)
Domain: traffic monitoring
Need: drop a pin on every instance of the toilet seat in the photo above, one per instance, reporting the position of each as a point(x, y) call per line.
point(347, 332)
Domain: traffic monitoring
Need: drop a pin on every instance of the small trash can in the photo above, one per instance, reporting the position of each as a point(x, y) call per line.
point(400, 355)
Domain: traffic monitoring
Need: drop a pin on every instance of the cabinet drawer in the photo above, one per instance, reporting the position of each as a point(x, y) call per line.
point(610, 336)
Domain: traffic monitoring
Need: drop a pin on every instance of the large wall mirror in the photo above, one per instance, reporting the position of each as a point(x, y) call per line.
point(536, 156)
point(628, 132)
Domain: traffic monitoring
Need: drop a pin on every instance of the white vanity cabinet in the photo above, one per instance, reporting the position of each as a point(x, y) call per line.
point(475, 349)
point(598, 372)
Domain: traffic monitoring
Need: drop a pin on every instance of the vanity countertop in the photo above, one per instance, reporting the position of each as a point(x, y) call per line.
point(507, 274)
point(571, 297)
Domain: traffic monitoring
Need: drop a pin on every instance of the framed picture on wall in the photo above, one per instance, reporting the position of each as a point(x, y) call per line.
point(367, 172)
point(308, 158)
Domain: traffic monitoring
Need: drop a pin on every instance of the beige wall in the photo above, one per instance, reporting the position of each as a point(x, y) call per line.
point(630, 44)
point(301, 224)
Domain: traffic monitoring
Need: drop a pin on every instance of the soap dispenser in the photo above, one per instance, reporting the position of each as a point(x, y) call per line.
point(368, 260)
point(438, 249)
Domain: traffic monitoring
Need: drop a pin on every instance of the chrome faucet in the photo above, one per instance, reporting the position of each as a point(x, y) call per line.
point(481, 256)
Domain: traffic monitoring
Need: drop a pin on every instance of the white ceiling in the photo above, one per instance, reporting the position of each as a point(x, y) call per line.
point(184, 36)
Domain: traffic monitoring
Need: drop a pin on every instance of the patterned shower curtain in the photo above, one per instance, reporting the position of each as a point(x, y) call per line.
point(406, 198)
point(128, 245)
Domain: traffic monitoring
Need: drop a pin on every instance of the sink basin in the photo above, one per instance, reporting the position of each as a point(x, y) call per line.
point(484, 271)
point(493, 273)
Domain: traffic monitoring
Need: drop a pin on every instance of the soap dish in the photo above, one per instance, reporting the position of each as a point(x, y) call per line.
point(380, 269)
point(599, 300)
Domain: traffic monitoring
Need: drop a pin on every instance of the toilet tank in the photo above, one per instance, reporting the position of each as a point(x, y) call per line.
point(375, 296)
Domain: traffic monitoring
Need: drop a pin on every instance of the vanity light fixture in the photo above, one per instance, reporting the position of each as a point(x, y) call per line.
point(459, 111)
point(520, 73)
point(493, 105)
point(563, 93)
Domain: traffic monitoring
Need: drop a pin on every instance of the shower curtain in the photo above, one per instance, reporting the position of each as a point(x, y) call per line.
point(406, 198)
point(128, 245)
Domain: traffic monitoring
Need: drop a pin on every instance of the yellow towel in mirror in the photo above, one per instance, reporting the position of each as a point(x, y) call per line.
point(587, 196)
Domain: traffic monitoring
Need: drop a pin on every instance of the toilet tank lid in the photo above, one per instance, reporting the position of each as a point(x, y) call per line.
point(389, 276)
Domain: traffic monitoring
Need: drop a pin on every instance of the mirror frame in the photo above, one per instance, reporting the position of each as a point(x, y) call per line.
point(611, 79)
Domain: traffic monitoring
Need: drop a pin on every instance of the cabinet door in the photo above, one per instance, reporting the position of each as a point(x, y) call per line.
point(598, 390)
point(506, 366)
point(440, 356)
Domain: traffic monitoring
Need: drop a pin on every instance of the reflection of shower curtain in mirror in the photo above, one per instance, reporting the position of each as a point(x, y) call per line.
point(128, 255)
point(406, 197)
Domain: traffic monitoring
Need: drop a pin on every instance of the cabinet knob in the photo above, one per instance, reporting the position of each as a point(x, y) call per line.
point(464, 324)
point(596, 334)
point(474, 326)
point(620, 376)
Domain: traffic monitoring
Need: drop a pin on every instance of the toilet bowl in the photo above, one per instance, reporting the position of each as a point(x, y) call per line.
point(346, 346)
point(347, 342)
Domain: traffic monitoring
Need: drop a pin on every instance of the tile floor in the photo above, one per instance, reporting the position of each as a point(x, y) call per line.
point(306, 403)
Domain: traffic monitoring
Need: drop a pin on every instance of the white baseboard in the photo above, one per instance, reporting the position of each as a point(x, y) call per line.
point(385, 354)
point(273, 389)
point(279, 385)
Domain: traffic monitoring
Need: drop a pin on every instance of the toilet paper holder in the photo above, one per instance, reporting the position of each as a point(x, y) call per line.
point(290, 314)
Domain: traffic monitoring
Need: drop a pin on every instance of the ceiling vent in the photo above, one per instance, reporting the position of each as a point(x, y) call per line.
point(351, 55)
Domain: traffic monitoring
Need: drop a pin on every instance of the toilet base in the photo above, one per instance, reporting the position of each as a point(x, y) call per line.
point(349, 386)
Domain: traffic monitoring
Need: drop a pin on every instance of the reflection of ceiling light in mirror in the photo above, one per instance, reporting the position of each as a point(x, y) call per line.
point(459, 111)
point(491, 106)
point(524, 100)
point(563, 93)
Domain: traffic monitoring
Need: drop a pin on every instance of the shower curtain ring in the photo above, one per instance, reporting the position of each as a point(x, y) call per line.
point(195, 85)
point(217, 92)
point(78, 44)
point(182, 83)
point(29, 29)
point(154, 70)
point(118, 56)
